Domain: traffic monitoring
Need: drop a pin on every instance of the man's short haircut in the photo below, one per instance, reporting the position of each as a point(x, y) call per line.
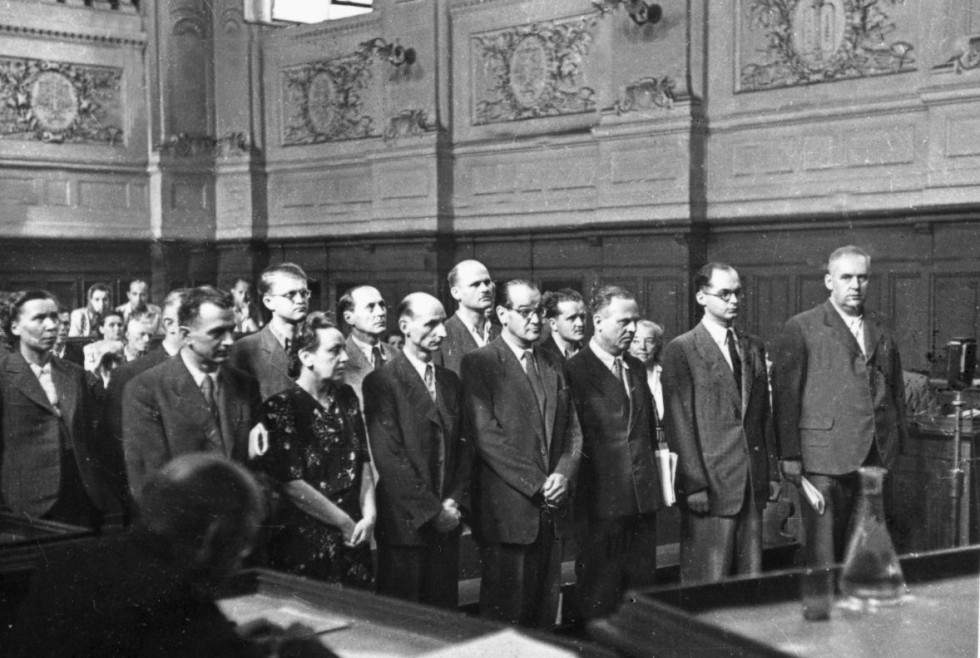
point(112, 313)
point(97, 287)
point(16, 302)
point(603, 297)
point(270, 273)
point(190, 309)
point(551, 301)
point(702, 278)
point(656, 329)
point(847, 250)
point(308, 338)
point(346, 301)
point(181, 502)
point(136, 281)
point(453, 277)
point(137, 318)
point(241, 279)
point(175, 298)
point(405, 309)
point(503, 292)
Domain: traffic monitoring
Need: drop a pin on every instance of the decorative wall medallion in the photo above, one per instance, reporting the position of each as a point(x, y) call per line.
point(58, 102)
point(533, 71)
point(645, 94)
point(322, 101)
point(811, 41)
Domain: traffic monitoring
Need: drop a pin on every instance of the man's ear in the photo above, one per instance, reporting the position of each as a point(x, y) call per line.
point(828, 280)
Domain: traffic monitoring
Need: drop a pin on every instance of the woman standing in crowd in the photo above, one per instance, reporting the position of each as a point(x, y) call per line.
point(318, 456)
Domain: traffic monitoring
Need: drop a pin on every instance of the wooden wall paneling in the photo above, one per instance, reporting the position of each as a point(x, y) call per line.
point(767, 305)
point(956, 306)
point(811, 291)
point(908, 311)
point(663, 302)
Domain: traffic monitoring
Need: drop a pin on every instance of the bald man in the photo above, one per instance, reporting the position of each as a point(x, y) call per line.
point(469, 328)
point(412, 409)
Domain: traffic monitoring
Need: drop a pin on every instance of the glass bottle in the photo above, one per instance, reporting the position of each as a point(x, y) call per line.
point(871, 572)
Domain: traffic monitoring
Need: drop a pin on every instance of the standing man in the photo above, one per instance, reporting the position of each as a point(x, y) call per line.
point(470, 327)
point(719, 423)
point(528, 445)
point(565, 312)
point(413, 417)
point(365, 312)
point(618, 483)
point(838, 398)
point(264, 354)
point(138, 303)
point(193, 402)
point(53, 466)
point(85, 321)
point(247, 319)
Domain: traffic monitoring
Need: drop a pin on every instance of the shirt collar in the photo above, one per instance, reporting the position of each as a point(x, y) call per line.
point(196, 372)
point(607, 359)
point(517, 350)
point(368, 350)
point(419, 366)
point(563, 345)
point(277, 335)
point(718, 333)
point(849, 320)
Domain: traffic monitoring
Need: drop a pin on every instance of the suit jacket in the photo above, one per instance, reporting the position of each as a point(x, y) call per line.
point(418, 449)
point(80, 324)
point(830, 402)
point(30, 436)
point(261, 356)
point(720, 441)
point(74, 353)
point(618, 475)
point(551, 346)
point(165, 415)
point(515, 448)
point(152, 312)
point(459, 341)
point(358, 367)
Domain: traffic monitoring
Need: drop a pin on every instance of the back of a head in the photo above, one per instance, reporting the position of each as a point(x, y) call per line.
point(201, 498)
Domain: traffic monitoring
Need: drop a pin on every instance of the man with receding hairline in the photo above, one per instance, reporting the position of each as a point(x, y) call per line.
point(138, 303)
point(469, 328)
point(412, 409)
point(838, 399)
point(365, 311)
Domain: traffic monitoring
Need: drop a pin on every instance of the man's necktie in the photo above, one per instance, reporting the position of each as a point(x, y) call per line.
point(287, 345)
point(430, 381)
point(736, 361)
point(531, 367)
point(207, 388)
point(379, 360)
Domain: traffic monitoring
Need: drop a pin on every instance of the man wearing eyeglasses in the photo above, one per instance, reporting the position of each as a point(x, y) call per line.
point(264, 355)
point(719, 423)
point(528, 443)
point(839, 399)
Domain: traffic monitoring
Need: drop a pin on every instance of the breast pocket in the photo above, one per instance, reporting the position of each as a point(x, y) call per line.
point(816, 430)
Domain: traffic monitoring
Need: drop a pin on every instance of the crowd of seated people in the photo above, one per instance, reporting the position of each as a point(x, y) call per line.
point(475, 420)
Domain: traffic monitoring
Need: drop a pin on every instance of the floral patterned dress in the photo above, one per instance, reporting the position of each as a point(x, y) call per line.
point(327, 449)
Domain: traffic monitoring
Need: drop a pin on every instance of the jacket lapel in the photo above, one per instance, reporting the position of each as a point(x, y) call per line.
point(276, 354)
point(715, 361)
point(67, 391)
point(748, 371)
point(356, 359)
point(192, 403)
point(523, 393)
point(415, 388)
point(873, 334)
point(27, 381)
point(839, 330)
point(549, 382)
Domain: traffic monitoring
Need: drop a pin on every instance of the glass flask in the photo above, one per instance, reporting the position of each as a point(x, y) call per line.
point(871, 572)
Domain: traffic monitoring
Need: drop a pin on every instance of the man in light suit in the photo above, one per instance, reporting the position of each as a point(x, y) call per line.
point(565, 312)
point(138, 303)
point(366, 313)
point(838, 398)
point(618, 491)
point(413, 416)
point(52, 465)
point(470, 327)
point(192, 402)
point(719, 423)
point(264, 355)
point(85, 321)
point(528, 445)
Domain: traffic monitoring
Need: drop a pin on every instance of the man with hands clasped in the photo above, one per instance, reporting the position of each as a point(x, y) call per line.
point(527, 448)
point(412, 409)
point(719, 423)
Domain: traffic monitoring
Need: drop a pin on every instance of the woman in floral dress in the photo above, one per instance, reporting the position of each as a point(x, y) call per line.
point(318, 455)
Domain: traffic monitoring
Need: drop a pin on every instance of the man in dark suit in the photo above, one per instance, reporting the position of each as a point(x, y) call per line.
point(112, 413)
point(838, 398)
point(192, 402)
point(284, 291)
point(366, 313)
point(719, 423)
point(618, 490)
point(53, 466)
point(413, 417)
point(470, 327)
point(64, 348)
point(528, 445)
point(565, 312)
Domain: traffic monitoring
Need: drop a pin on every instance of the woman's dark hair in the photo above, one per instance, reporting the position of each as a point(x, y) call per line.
point(308, 338)
point(17, 300)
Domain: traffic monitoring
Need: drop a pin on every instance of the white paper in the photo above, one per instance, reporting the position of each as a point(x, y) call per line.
point(667, 464)
point(813, 497)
